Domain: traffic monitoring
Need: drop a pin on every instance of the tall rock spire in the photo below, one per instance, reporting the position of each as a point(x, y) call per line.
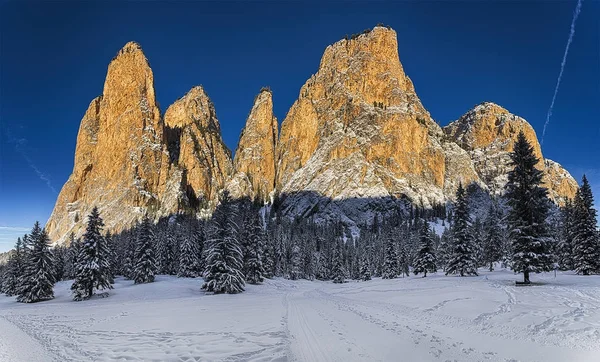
point(118, 153)
point(254, 161)
point(201, 152)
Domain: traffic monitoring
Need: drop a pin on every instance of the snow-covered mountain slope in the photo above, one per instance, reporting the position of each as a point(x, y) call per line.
point(437, 318)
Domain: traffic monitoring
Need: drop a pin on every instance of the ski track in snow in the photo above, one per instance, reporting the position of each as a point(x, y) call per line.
point(438, 318)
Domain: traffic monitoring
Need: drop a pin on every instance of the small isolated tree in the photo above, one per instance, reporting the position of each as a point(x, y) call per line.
point(37, 281)
point(529, 205)
point(145, 260)
point(425, 260)
point(492, 245)
point(586, 251)
point(464, 253)
point(93, 264)
point(223, 273)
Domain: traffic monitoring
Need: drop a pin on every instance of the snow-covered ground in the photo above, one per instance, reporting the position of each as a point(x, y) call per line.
point(485, 318)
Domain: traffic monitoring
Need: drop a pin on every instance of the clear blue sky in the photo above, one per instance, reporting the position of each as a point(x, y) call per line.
point(54, 56)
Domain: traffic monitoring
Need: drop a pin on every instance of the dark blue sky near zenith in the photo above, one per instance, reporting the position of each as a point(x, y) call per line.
point(54, 56)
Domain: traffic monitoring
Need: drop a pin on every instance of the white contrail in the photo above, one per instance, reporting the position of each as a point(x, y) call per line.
point(562, 65)
point(20, 147)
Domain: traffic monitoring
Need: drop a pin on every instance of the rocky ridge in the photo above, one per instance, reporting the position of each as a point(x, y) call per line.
point(356, 143)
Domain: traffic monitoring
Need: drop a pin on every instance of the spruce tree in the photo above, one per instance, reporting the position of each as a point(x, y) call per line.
point(223, 273)
point(492, 245)
point(586, 251)
point(37, 281)
point(188, 257)
point(337, 264)
point(567, 234)
point(144, 261)
point(463, 257)
point(404, 259)
point(390, 263)
point(93, 264)
point(254, 248)
point(14, 270)
point(60, 255)
point(529, 205)
point(425, 260)
point(365, 264)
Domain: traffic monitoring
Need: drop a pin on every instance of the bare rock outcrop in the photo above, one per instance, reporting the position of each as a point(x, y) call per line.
point(254, 161)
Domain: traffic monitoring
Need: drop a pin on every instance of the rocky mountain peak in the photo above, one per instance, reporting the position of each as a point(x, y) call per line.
point(254, 161)
point(488, 132)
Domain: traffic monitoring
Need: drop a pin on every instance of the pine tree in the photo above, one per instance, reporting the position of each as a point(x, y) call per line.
point(165, 250)
point(295, 272)
point(463, 258)
point(255, 245)
point(71, 257)
point(37, 281)
point(93, 265)
point(365, 268)
point(223, 273)
point(14, 270)
point(492, 246)
point(404, 259)
point(110, 256)
point(390, 263)
point(586, 251)
point(59, 255)
point(145, 260)
point(567, 234)
point(337, 268)
point(529, 206)
point(425, 260)
point(188, 256)
point(444, 251)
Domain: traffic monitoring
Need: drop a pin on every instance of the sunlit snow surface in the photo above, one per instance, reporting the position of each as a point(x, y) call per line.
point(438, 318)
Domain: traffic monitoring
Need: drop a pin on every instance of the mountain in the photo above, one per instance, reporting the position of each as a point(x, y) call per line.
point(356, 143)
point(488, 133)
point(254, 160)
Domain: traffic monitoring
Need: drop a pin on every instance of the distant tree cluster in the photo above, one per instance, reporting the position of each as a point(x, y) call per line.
point(244, 242)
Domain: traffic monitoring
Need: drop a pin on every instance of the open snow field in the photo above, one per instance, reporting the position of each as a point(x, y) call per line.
point(485, 318)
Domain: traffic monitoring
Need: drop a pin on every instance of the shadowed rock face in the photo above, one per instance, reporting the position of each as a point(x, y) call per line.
point(254, 161)
point(488, 132)
point(356, 143)
point(202, 155)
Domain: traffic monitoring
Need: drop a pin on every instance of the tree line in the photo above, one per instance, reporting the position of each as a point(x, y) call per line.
point(243, 242)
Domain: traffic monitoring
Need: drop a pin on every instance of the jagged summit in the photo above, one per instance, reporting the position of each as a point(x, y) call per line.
point(254, 161)
point(358, 131)
point(130, 47)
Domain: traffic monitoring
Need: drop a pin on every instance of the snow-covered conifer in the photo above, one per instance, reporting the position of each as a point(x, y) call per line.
point(425, 260)
point(586, 250)
point(529, 205)
point(492, 244)
point(463, 258)
point(93, 265)
point(37, 281)
point(223, 273)
point(145, 259)
point(390, 263)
